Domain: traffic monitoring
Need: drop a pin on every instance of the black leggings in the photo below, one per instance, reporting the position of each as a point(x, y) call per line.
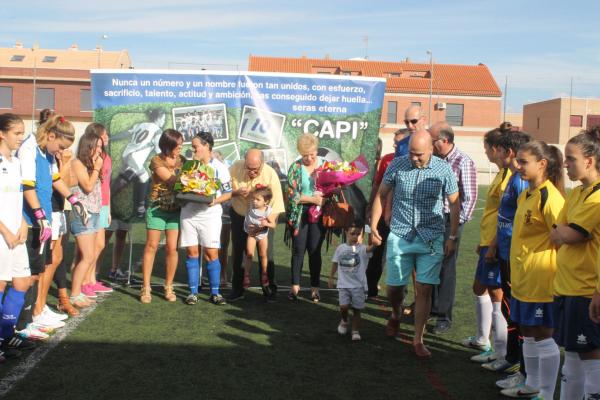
point(309, 239)
point(60, 276)
point(375, 267)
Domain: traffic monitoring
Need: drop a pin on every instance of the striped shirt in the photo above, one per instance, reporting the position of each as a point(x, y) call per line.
point(466, 175)
point(418, 200)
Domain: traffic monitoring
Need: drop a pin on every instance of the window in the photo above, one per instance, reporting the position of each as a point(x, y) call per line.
point(49, 59)
point(44, 98)
point(17, 58)
point(6, 96)
point(393, 74)
point(576, 121)
point(392, 112)
point(85, 100)
point(415, 104)
point(454, 114)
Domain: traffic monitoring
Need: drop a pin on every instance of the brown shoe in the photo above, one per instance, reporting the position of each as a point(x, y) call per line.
point(145, 296)
point(65, 305)
point(169, 293)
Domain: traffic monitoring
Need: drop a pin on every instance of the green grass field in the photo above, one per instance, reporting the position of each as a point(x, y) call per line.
point(254, 350)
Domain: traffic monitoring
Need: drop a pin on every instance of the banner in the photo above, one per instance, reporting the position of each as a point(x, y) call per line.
point(242, 110)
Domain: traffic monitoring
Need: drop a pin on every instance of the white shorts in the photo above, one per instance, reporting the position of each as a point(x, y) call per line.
point(59, 224)
point(15, 262)
point(118, 225)
point(200, 225)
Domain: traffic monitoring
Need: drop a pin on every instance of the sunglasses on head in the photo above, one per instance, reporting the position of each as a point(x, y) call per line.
point(411, 121)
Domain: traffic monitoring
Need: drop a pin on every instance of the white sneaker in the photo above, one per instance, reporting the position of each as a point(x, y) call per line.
point(356, 336)
point(511, 381)
point(485, 357)
point(499, 365)
point(58, 316)
point(472, 343)
point(31, 332)
point(44, 320)
point(342, 328)
point(520, 392)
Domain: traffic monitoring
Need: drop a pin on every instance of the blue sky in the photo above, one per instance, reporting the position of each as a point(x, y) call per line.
point(539, 45)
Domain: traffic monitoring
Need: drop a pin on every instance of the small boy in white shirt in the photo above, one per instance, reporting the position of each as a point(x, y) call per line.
point(351, 259)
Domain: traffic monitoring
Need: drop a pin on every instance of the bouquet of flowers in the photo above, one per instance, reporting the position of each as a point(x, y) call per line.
point(332, 175)
point(197, 183)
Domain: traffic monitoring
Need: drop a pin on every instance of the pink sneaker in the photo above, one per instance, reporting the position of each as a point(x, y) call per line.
point(88, 291)
point(99, 287)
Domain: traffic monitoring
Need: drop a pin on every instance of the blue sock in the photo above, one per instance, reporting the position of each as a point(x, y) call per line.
point(1, 301)
point(13, 303)
point(193, 270)
point(214, 275)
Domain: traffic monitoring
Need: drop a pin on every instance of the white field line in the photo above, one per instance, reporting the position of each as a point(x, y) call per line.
point(31, 359)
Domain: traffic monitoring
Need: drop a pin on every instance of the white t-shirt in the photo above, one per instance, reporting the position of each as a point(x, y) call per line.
point(352, 264)
point(11, 195)
point(190, 209)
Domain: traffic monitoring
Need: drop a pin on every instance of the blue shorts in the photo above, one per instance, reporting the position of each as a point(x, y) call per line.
point(532, 314)
point(92, 226)
point(103, 223)
point(403, 256)
point(574, 329)
point(487, 274)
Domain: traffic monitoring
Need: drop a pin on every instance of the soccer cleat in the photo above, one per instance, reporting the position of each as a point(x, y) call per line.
point(499, 365)
point(485, 357)
point(471, 342)
point(18, 343)
point(442, 326)
point(32, 332)
point(520, 392)
point(342, 327)
point(511, 381)
point(356, 336)
point(118, 275)
point(217, 299)
point(58, 316)
point(100, 288)
point(46, 321)
point(191, 299)
point(512, 369)
point(7, 352)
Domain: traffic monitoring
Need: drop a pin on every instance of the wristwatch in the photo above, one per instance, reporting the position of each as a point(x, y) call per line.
point(452, 237)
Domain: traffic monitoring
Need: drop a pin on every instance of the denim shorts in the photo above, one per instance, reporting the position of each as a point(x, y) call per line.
point(92, 226)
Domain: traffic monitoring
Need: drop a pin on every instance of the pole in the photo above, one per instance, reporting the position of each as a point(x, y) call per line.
point(34, 90)
point(430, 84)
point(505, 97)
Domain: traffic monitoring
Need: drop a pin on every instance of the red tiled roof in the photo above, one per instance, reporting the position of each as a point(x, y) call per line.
point(448, 79)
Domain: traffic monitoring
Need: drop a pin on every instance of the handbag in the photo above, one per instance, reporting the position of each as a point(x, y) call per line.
point(337, 213)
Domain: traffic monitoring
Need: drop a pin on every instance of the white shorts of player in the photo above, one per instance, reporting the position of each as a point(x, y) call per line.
point(14, 263)
point(59, 224)
point(201, 225)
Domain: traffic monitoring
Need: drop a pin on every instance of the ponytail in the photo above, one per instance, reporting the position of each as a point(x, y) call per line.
point(57, 125)
point(554, 158)
point(589, 143)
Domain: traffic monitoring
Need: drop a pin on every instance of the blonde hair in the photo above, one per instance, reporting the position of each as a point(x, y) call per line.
point(307, 142)
point(57, 125)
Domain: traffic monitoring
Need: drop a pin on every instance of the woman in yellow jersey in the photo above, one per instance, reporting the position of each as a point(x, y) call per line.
point(487, 283)
point(533, 265)
point(577, 232)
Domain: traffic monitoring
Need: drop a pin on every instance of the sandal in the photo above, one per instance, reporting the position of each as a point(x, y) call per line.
point(170, 294)
point(80, 301)
point(145, 296)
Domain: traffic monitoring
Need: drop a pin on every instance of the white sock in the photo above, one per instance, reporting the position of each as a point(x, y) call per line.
point(549, 354)
point(572, 377)
point(500, 328)
point(592, 378)
point(483, 308)
point(531, 358)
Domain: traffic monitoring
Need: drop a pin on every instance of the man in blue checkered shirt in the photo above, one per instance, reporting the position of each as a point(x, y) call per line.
point(420, 182)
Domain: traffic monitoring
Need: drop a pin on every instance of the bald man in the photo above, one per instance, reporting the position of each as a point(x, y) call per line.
point(419, 183)
point(245, 175)
point(464, 169)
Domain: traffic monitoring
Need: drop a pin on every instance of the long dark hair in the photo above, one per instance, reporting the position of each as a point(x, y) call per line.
point(97, 129)
point(85, 150)
point(7, 120)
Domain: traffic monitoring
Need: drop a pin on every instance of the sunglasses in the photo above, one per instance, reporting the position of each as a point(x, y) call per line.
point(411, 121)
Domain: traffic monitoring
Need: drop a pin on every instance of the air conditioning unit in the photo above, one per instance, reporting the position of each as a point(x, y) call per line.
point(440, 106)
